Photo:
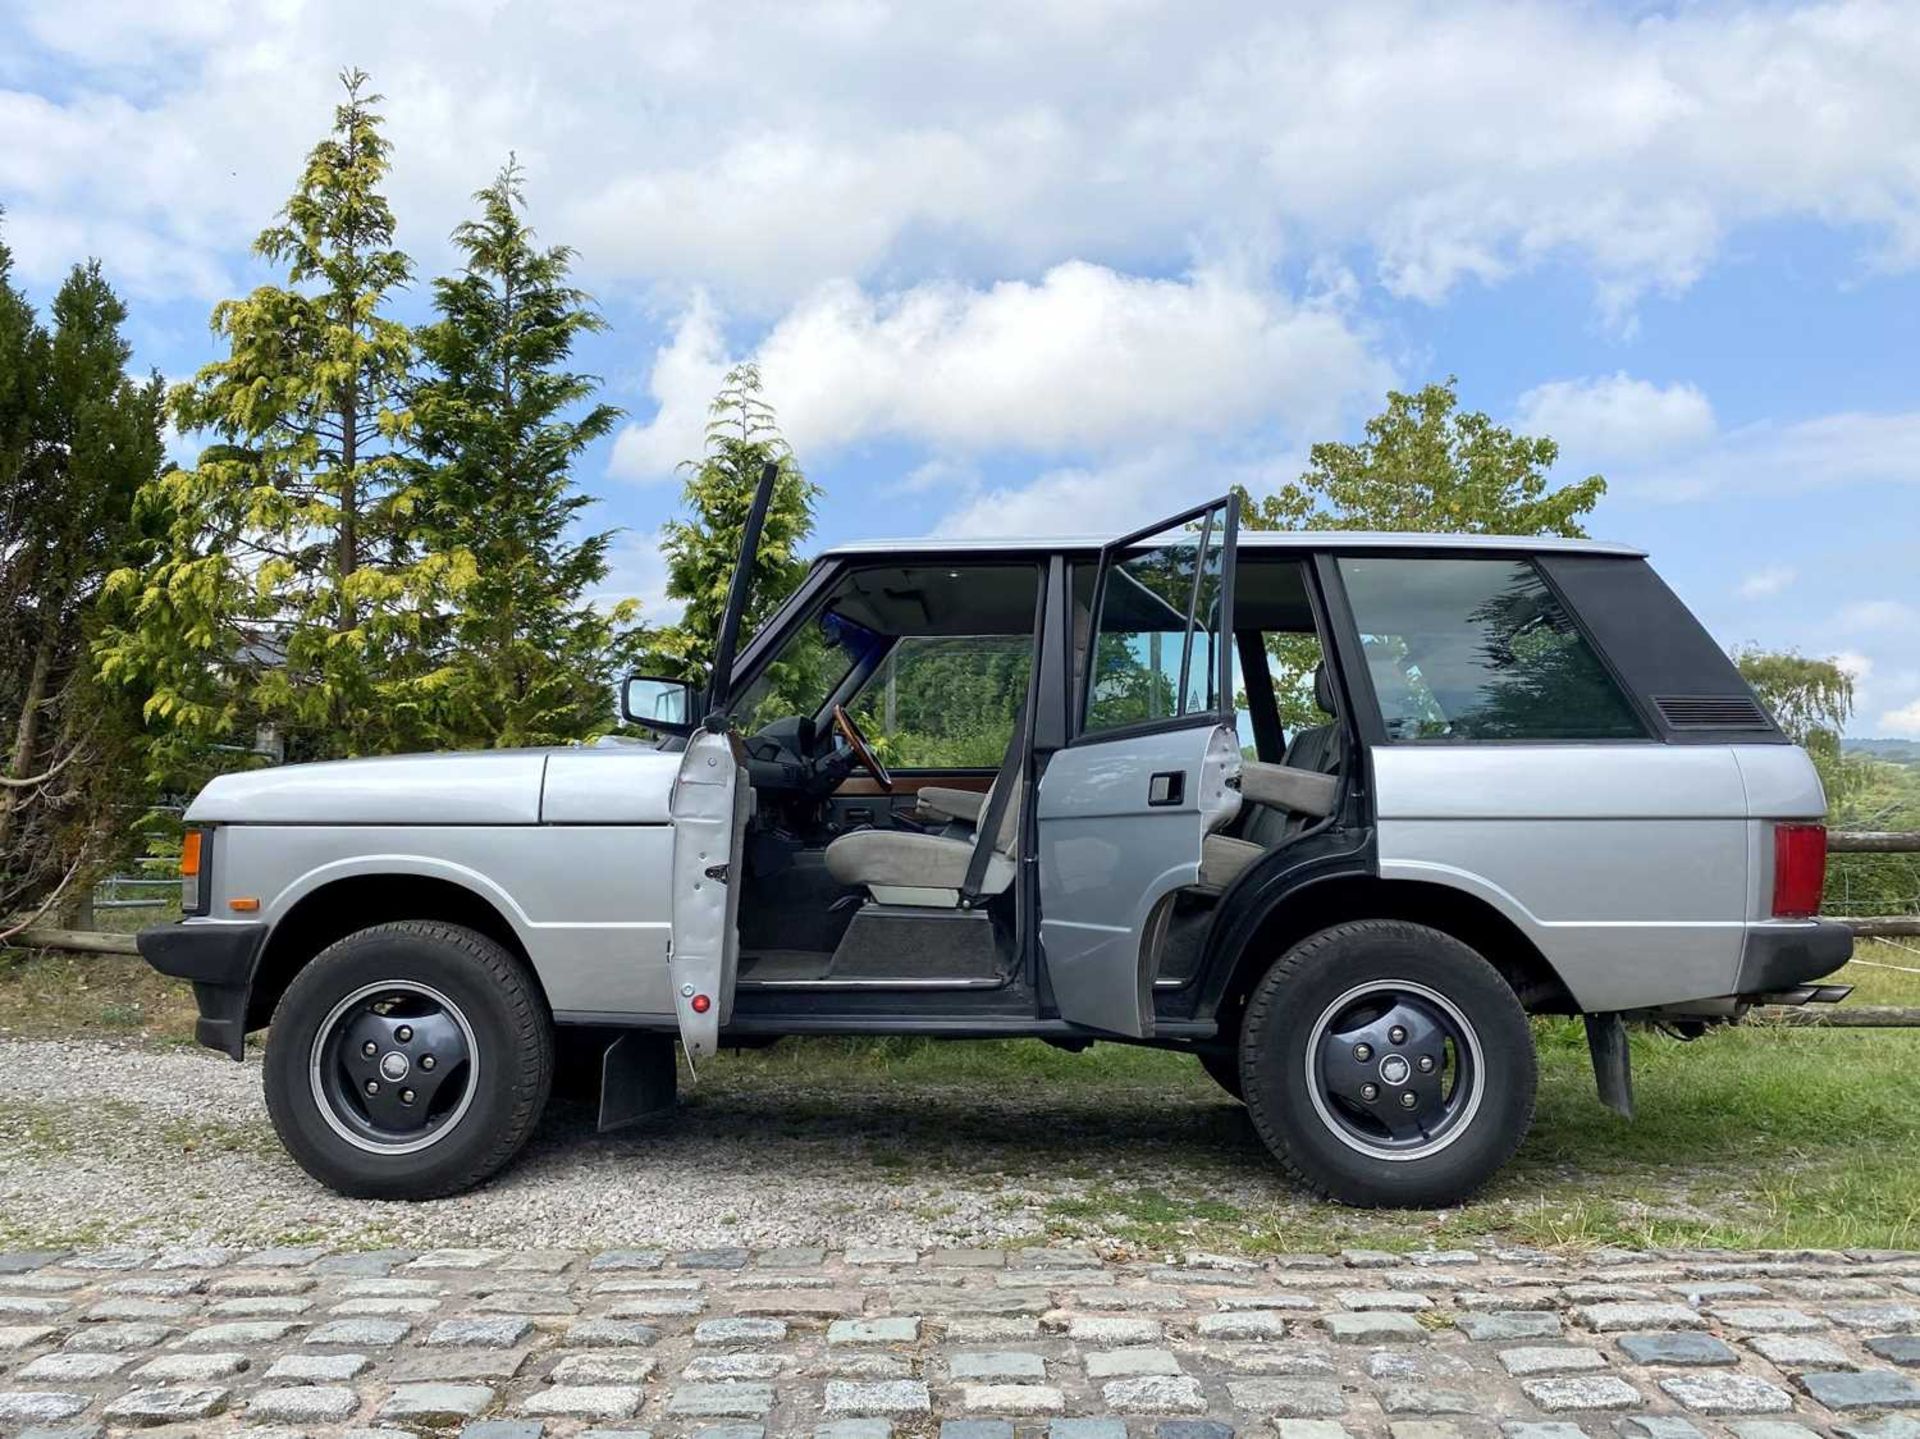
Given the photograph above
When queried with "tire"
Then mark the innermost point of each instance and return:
(1223, 1070)
(1342, 995)
(478, 1022)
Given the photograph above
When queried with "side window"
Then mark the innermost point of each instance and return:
(1156, 648)
(946, 702)
(1478, 649)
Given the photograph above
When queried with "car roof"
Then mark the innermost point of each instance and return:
(1249, 540)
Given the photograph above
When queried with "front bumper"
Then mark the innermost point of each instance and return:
(1783, 958)
(219, 958)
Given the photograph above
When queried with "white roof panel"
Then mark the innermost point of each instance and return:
(1252, 540)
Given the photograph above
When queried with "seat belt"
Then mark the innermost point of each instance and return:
(1006, 785)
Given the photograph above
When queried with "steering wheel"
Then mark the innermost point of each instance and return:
(862, 751)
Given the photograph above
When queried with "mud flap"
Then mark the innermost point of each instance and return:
(711, 799)
(637, 1078)
(1612, 1062)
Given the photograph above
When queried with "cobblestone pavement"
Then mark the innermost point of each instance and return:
(965, 1344)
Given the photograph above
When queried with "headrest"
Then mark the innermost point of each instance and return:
(1323, 689)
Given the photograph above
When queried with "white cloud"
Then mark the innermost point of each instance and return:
(1084, 359)
(1901, 723)
(768, 147)
(1854, 664)
(637, 570)
(1768, 458)
(1616, 416)
(1764, 583)
(1878, 615)
(1113, 497)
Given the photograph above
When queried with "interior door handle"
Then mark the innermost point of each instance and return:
(1169, 787)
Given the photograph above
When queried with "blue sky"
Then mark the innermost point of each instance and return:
(1062, 265)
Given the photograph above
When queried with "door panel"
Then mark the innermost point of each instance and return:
(1108, 856)
(1122, 810)
(711, 802)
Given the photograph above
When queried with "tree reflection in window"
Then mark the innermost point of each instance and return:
(1479, 649)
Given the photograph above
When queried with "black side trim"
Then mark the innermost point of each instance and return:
(219, 959)
(1777, 959)
(204, 953)
(1274, 880)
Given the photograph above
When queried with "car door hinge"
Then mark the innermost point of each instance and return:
(717, 871)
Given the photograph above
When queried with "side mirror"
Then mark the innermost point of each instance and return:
(659, 704)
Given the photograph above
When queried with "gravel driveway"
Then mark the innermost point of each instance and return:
(101, 1143)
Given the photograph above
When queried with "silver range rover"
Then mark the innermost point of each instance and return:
(1334, 812)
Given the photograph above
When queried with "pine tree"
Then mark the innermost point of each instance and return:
(529, 660)
(85, 439)
(702, 550)
(291, 588)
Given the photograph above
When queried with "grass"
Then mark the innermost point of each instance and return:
(1756, 1136)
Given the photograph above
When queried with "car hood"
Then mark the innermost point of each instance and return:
(615, 784)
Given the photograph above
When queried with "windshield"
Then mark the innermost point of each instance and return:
(809, 668)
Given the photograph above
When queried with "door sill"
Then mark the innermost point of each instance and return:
(870, 983)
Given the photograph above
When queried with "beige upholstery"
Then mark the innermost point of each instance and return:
(1302, 791)
(902, 867)
(1222, 857)
(901, 859)
(944, 803)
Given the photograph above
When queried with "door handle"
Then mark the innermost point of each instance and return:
(1169, 787)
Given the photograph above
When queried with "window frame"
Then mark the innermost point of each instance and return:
(1116, 552)
(1370, 719)
(803, 607)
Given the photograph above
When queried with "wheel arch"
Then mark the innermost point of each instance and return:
(340, 906)
(1250, 940)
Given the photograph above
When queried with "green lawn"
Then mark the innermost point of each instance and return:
(1762, 1135)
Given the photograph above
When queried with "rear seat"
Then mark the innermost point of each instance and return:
(1278, 800)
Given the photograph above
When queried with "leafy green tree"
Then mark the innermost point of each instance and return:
(78, 439)
(528, 659)
(1423, 464)
(702, 549)
(290, 588)
(1426, 464)
(1811, 700)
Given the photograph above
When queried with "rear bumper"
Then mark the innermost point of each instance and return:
(219, 958)
(1784, 957)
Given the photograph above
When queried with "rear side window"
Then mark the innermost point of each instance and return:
(1479, 649)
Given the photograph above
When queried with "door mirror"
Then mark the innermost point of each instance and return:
(659, 704)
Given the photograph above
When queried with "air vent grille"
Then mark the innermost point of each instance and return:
(1713, 712)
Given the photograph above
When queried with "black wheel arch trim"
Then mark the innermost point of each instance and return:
(1277, 877)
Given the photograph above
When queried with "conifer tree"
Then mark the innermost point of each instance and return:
(78, 439)
(291, 589)
(702, 549)
(529, 660)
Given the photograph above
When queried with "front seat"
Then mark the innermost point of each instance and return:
(1318, 748)
(904, 867)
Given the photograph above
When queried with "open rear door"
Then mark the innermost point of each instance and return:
(712, 799)
(1123, 808)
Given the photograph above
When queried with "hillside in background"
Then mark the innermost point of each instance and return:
(1888, 751)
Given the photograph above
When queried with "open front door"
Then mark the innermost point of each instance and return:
(712, 799)
(711, 802)
(1123, 808)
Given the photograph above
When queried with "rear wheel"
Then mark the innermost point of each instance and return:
(1386, 1063)
(409, 1061)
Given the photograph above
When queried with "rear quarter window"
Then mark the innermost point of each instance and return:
(1479, 649)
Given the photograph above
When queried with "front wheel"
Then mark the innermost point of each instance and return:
(1388, 1064)
(408, 1061)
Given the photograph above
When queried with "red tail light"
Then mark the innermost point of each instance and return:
(1799, 869)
